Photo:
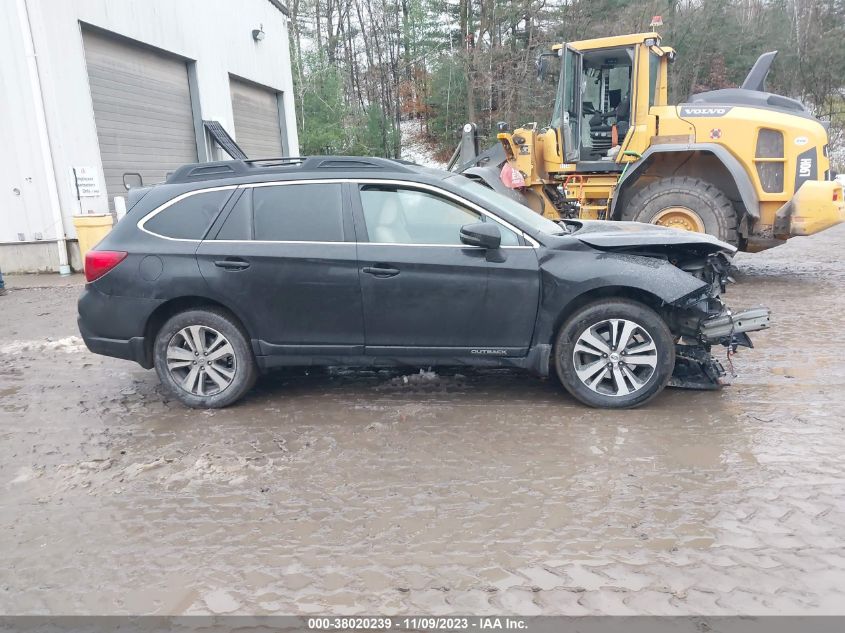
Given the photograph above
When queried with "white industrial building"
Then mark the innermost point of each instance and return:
(98, 93)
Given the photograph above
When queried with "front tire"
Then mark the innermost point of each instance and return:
(685, 203)
(614, 354)
(203, 358)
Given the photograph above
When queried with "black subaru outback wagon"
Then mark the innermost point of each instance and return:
(231, 268)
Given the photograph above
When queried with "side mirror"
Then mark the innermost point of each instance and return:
(483, 234)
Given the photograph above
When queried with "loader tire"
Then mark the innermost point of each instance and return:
(685, 203)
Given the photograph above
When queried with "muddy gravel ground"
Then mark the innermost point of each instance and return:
(460, 492)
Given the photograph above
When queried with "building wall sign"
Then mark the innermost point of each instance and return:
(87, 182)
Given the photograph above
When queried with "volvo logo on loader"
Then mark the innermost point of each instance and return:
(690, 111)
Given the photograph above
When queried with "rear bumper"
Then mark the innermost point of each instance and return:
(816, 206)
(114, 325)
(134, 348)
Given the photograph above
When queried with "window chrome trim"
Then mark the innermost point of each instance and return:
(143, 221)
(276, 242)
(434, 245)
(344, 242)
(364, 180)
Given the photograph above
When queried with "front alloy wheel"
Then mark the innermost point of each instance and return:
(614, 353)
(615, 357)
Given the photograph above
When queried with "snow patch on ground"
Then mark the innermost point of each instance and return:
(69, 345)
(414, 146)
(425, 376)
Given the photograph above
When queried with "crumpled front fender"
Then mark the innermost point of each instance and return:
(567, 280)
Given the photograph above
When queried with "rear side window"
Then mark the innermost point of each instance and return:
(189, 218)
(298, 213)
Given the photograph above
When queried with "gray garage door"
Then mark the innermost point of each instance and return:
(142, 108)
(256, 111)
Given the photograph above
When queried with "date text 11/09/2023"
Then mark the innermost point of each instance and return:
(421, 623)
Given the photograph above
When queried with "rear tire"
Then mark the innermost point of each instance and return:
(614, 354)
(705, 207)
(203, 358)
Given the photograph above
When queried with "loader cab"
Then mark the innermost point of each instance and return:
(604, 86)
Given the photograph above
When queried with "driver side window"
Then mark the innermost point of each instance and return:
(399, 215)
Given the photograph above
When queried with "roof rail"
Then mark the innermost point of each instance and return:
(206, 171)
(352, 162)
(231, 168)
(281, 160)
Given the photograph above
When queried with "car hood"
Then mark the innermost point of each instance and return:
(634, 235)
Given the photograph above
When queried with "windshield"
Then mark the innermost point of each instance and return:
(567, 71)
(554, 76)
(495, 201)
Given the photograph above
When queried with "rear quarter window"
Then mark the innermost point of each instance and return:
(190, 217)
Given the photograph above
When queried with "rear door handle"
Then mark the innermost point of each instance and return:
(232, 264)
(379, 271)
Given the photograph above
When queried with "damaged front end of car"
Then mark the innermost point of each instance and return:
(701, 321)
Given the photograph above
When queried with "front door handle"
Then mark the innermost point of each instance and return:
(232, 264)
(380, 271)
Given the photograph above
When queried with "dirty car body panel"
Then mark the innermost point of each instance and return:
(355, 299)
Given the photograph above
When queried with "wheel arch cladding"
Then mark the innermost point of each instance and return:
(708, 161)
(644, 297)
(182, 304)
(569, 283)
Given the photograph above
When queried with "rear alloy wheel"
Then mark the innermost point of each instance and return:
(685, 203)
(614, 354)
(204, 359)
(201, 360)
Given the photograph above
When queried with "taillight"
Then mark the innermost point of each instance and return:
(98, 263)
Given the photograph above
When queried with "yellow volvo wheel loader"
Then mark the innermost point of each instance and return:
(745, 165)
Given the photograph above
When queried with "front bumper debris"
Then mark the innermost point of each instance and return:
(695, 367)
(723, 328)
(816, 206)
